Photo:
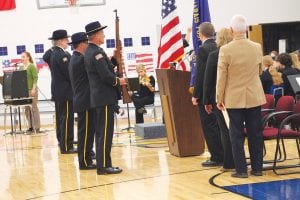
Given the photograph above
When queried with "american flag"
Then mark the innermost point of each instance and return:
(135, 59)
(9, 65)
(171, 46)
(40, 63)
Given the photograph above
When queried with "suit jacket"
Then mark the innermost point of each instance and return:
(61, 84)
(210, 78)
(103, 81)
(207, 47)
(80, 83)
(238, 82)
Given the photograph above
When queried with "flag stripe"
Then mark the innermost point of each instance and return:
(174, 40)
(169, 53)
(176, 56)
(7, 5)
(145, 60)
(171, 46)
(141, 58)
(173, 23)
(143, 55)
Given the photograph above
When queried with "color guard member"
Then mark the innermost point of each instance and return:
(81, 101)
(62, 90)
(102, 81)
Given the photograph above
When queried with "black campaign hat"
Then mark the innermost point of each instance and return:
(78, 37)
(93, 27)
(59, 34)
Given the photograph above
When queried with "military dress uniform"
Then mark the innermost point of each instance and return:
(81, 105)
(63, 97)
(102, 81)
(47, 59)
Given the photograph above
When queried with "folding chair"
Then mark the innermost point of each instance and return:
(272, 121)
(288, 134)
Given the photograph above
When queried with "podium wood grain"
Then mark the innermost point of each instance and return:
(184, 130)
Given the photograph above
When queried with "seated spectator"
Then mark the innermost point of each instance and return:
(273, 54)
(266, 78)
(295, 61)
(145, 95)
(270, 77)
(284, 63)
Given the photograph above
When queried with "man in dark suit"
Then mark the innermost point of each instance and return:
(103, 82)
(62, 90)
(209, 121)
(81, 101)
(209, 97)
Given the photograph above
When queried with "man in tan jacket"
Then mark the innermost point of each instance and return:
(239, 90)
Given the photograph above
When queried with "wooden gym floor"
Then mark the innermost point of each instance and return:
(33, 168)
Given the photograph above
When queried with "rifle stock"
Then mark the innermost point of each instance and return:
(120, 67)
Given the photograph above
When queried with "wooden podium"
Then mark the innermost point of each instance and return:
(182, 120)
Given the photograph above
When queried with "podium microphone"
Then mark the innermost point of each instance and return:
(190, 52)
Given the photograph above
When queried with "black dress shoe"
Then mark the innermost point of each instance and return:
(109, 170)
(211, 163)
(70, 151)
(91, 166)
(256, 173)
(29, 130)
(239, 175)
(93, 155)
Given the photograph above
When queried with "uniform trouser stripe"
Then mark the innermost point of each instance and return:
(105, 131)
(85, 136)
(66, 131)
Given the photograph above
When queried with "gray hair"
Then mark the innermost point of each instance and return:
(238, 23)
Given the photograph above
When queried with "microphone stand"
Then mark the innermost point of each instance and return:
(184, 58)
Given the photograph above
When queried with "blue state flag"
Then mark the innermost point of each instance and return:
(200, 14)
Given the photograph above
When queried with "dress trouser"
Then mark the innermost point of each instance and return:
(212, 134)
(140, 102)
(228, 162)
(57, 122)
(65, 124)
(104, 125)
(253, 124)
(33, 116)
(86, 134)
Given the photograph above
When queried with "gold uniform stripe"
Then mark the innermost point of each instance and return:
(85, 137)
(116, 81)
(105, 130)
(66, 133)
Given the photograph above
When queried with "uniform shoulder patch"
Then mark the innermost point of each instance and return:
(65, 59)
(98, 56)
